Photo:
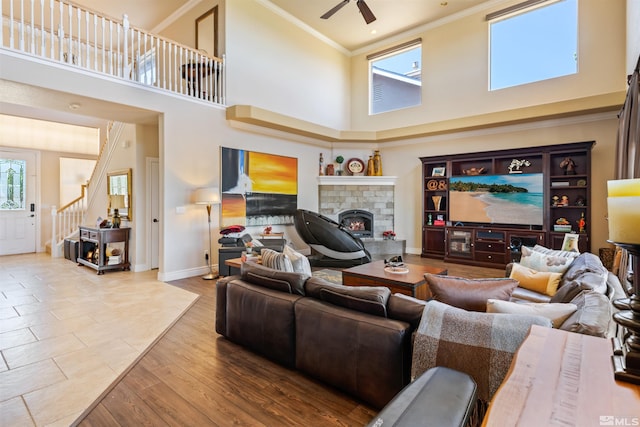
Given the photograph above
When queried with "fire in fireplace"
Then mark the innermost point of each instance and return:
(359, 222)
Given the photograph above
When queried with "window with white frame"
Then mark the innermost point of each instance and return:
(533, 41)
(395, 77)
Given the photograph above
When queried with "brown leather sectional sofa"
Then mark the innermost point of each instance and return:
(357, 339)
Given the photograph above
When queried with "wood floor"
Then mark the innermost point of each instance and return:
(194, 377)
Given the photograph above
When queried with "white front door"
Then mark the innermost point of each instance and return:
(18, 210)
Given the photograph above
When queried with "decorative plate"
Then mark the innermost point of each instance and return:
(355, 166)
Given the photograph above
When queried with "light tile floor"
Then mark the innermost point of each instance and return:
(67, 334)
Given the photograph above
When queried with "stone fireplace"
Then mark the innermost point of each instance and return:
(373, 195)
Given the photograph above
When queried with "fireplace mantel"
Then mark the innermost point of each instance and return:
(356, 180)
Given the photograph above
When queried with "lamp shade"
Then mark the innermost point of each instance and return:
(624, 210)
(116, 201)
(206, 196)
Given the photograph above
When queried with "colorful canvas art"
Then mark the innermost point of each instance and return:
(258, 188)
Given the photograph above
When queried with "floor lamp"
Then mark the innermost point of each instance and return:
(208, 196)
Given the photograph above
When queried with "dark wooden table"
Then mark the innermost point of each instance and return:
(374, 274)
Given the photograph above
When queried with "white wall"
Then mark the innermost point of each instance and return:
(455, 70)
(633, 34)
(273, 64)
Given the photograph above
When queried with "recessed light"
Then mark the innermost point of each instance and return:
(74, 106)
(374, 31)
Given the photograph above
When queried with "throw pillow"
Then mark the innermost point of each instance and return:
(379, 294)
(555, 252)
(258, 274)
(545, 262)
(585, 273)
(544, 282)
(358, 304)
(300, 262)
(276, 260)
(557, 313)
(469, 294)
(593, 316)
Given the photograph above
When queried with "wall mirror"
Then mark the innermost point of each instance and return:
(207, 32)
(119, 182)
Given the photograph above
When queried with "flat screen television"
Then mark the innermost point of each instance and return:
(497, 199)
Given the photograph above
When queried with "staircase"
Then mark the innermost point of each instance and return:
(65, 221)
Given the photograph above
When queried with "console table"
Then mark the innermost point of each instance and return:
(563, 378)
(100, 237)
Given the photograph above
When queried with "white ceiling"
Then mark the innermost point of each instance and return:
(346, 27)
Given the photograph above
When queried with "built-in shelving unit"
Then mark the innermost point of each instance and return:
(564, 173)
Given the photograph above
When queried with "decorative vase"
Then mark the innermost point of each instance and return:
(370, 166)
(436, 202)
(377, 163)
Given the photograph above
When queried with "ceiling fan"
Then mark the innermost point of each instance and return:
(368, 16)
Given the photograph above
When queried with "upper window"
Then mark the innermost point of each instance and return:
(536, 44)
(396, 78)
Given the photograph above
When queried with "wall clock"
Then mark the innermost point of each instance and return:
(355, 166)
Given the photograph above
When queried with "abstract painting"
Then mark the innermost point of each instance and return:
(258, 188)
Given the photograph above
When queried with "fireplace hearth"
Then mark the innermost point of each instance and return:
(358, 221)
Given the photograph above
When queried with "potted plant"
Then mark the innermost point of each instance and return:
(339, 161)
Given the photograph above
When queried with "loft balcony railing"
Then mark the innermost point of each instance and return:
(66, 33)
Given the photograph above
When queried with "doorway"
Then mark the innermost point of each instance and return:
(153, 206)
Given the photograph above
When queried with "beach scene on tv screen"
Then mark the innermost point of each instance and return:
(497, 199)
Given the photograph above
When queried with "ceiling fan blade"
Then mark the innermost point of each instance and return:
(336, 8)
(368, 16)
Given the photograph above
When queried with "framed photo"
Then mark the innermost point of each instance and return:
(570, 242)
(439, 171)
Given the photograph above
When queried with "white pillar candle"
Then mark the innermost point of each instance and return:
(624, 210)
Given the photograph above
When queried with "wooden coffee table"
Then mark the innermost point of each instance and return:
(373, 274)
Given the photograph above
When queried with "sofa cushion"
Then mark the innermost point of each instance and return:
(368, 356)
(557, 313)
(405, 308)
(593, 316)
(586, 272)
(262, 319)
(358, 304)
(283, 281)
(469, 294)
(377, 294)
(550, 261)
(276, 260)
(299, 262)
(544, 282)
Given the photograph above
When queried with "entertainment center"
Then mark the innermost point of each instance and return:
(479, 208)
